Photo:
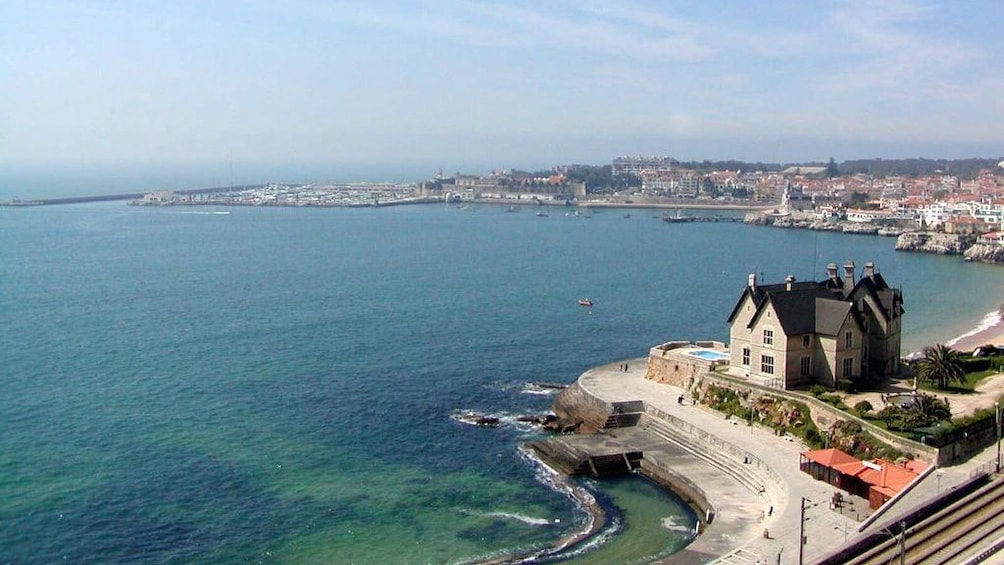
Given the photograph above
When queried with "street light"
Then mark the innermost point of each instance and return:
(801, 528)
(997, 413)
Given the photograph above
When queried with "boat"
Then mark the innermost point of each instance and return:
(585, 302)
(541, 214)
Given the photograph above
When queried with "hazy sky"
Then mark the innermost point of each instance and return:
(512, 84)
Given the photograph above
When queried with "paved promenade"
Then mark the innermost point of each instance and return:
(825, 529)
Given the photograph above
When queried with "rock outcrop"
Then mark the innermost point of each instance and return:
(928, 242)
(985, 253)
(809, 222)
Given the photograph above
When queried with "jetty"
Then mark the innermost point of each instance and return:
(685, 219)
(118, 196)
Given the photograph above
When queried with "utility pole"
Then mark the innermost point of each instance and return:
(801, 533)
(997, 412)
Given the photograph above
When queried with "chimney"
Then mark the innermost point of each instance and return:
(831, 272)
(869, 270)
(788, 281)
(752, 281)
(849, 275)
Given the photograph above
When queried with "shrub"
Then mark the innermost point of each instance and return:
(816, 390)
(863, 407)
(813, 438)
(846, 385)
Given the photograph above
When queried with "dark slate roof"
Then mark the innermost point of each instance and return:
(796, 309)
(820, 307)
(830, 315)
(891, 299)
(761, 292)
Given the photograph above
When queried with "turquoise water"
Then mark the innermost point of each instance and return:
(278, 384)
(708, 355)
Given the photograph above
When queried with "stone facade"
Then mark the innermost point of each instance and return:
(671, 363)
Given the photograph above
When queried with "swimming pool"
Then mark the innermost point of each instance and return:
(709, 354)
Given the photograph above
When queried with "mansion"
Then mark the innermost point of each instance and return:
(794, 334)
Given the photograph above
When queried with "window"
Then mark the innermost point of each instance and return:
(849, 367)
(805, 366)
(746, 356)
(849, 339)
(768, 336)
(805, 342)
(767, 364)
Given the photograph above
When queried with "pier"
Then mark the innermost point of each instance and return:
(118, 196)
(678, 219)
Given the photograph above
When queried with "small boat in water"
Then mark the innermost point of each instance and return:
(541, 214)
(585, 302)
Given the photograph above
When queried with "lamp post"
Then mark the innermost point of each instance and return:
(997, 419)
(801, 534)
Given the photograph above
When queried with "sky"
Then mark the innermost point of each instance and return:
(467, 84)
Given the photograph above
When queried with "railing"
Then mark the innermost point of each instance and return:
(987, 468)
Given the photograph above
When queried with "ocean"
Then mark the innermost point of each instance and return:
(282, 384)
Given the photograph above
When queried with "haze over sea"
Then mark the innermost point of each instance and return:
(277, 384)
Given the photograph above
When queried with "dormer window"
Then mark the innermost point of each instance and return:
(768, 336)
(849, 339)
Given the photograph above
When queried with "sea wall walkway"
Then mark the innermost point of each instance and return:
(729, 443)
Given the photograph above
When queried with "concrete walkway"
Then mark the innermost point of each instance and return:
(825, 529)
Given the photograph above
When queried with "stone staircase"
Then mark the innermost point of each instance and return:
(743, 472)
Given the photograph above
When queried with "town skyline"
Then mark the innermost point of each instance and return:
(468, 85)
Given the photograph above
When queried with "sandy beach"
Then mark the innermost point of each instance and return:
(990, 331)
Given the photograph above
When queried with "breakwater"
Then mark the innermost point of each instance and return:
(114, 197)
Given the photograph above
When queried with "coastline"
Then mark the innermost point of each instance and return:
(596, 518)
(989, 331)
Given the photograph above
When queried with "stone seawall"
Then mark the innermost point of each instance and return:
(681, 486)
(575, 405)
(668, 363)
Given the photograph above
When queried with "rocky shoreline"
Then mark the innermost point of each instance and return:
(907, 238)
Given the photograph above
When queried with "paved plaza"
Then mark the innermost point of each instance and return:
(779, 513)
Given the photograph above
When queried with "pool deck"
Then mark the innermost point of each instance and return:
(739, 538)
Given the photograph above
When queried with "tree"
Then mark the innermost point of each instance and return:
(831, 169)
(932, 409)
(941, 366)
(890, 415)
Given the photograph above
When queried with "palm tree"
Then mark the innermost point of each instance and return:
(941, 365)
(932, 408)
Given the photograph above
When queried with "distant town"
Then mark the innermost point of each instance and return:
(936, 206)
